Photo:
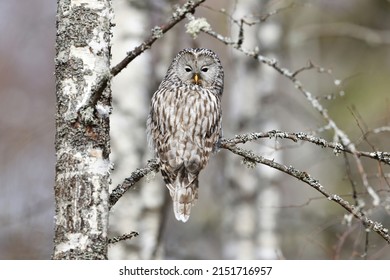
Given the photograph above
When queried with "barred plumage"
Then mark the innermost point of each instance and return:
(185, 123)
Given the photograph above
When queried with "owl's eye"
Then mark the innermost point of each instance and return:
(204, 69)
(188, 69)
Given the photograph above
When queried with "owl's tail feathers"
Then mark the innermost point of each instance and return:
(184, 197)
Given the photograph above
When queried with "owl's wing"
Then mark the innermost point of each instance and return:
(160, 130)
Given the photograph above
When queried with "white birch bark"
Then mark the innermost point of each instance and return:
(251, 213)
(141, 208)
(82, 129)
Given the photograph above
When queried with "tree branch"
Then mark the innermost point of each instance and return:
(249, 156)
(296, 136)
(125, 236)
(305, 177)
(129, 182)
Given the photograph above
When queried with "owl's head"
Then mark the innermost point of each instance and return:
(199, 67)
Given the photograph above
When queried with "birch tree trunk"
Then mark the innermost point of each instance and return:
(82, 129)
(251, 203)
(141, 208)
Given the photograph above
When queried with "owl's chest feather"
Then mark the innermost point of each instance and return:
(188, 112)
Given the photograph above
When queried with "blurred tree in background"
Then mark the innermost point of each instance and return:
(337, 50)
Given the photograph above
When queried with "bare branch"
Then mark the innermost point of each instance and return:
(125, 236)
(129, 182)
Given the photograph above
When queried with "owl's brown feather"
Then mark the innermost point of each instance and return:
(184, 126)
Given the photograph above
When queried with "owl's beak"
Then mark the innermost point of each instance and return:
(196, 78)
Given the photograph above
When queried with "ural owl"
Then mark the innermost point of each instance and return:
(184, 124)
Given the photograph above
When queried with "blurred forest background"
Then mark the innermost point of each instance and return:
(242, 213)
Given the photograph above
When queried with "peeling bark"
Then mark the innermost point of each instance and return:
(82, 132)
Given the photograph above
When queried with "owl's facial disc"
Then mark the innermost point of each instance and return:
(197, 70)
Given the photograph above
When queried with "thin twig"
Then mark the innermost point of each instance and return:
(125, 236)
(351, 180)
(309, 66)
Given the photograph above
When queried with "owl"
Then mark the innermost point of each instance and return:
(184, 125)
